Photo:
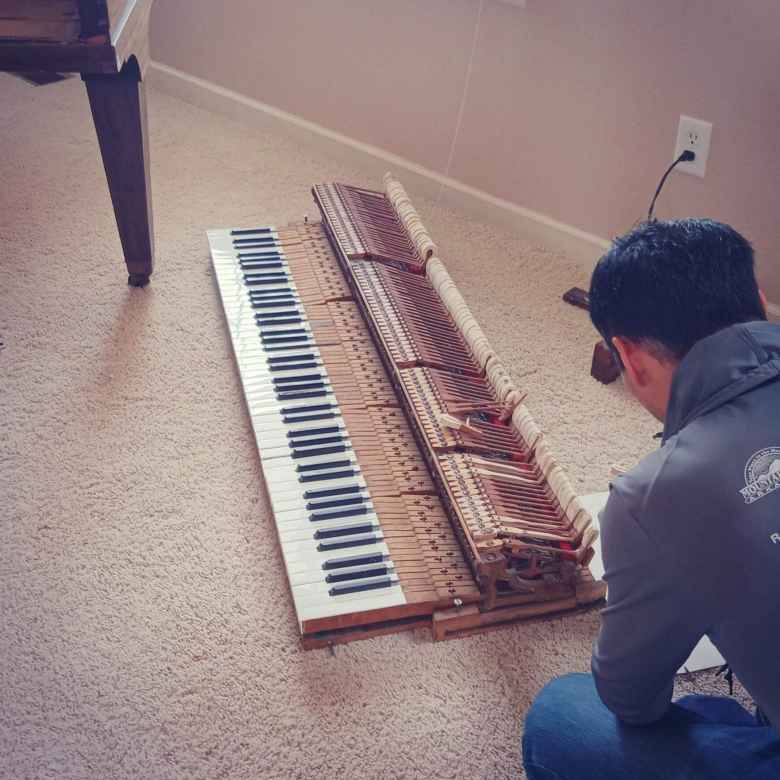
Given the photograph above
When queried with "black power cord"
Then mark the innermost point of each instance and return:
(686, 156)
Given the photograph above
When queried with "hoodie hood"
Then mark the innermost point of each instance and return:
(720, 368)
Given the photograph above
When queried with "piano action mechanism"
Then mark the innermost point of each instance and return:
(409, 483)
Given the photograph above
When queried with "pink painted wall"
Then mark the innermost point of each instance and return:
(573, 106)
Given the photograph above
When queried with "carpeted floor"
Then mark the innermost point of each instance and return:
(146, 627)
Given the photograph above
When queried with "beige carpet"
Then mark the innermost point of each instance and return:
(146, 627)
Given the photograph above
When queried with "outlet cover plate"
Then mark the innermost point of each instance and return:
(693, 134)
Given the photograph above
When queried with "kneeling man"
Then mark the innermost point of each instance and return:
(691, 535)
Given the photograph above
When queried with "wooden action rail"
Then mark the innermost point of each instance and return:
(367, 226)
(411, 320)
(520, 524)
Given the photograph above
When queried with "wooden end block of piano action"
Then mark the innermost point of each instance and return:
(604, 368)
(577, 297)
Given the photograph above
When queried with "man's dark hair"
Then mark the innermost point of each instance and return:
(670, 284)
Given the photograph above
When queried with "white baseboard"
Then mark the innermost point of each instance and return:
(538, 228)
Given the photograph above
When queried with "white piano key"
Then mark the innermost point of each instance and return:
(314, 602)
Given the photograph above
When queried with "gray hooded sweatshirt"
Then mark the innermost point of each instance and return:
(691, 535)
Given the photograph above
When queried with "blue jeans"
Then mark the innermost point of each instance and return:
(569, 733)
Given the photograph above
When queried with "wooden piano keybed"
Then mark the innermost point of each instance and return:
(409, 484)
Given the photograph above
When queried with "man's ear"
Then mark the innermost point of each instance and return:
(633, 361)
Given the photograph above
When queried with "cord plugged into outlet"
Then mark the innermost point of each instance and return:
(686, 156)
(693, 135)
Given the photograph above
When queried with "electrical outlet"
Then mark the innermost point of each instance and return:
(693, 134)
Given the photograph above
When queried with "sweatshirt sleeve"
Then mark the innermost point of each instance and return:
(649, 625)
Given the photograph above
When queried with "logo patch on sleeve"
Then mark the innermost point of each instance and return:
(762, 474)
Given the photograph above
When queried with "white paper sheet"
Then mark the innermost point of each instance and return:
(705, 655)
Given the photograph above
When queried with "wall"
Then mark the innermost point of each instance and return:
(572, 109)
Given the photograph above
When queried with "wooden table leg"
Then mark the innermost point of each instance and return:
(119, 111)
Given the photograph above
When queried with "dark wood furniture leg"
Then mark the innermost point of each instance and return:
(118, 106)
(604, 368)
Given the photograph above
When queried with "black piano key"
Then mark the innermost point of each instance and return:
(344, 543)
(273, 294)
(331, 464)
(268, 340)
(334, 502)
(272, 316)
(288, 347)
(360, 574)
(250, 231)
(284, 290)
(306, 409)
(289, 303)
(281, 276)
(260, 280)
(290, 359)
(318, 517)
(291, 390)
(270, 253)
(310, 394)
(285, 336)
(294, 366)
(263, 304)
(274, 246)
(259, 265)
(285, 380)
(280, 321)
(342, 491)
(304, 432)
(315, 452)
(317, 442)
(254, 241)
(256, 244)
(262, 260)
(341, 590)
(345, 530)
(257, 281)
(325, 477)
(309, 418)
(353, 560)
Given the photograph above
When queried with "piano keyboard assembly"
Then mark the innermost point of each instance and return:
(409, 483)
